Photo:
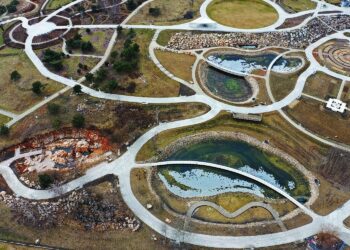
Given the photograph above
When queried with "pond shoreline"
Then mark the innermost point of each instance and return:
(215, 135)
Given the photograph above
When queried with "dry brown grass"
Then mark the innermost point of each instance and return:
(330, 197)
(322, 85)
(314, 117)
(244, 14)
(179, 65)
(17, 96)
(282, 84)
(172, 12)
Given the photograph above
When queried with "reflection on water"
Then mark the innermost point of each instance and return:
(189, 181)
(247, 63)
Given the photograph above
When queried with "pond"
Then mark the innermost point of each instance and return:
(247, 63)
(190, 181)
(229, 87)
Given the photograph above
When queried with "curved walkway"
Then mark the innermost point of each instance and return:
(192, 210)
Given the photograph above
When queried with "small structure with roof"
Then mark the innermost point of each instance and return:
(336, 105)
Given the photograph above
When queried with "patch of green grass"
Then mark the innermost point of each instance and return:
(1, 38)
(99, 38)
(165, 36)
(4, 119)
(245, 14)
(233, 85)
(55, 4)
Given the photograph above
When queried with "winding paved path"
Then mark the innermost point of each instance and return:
(192, 210)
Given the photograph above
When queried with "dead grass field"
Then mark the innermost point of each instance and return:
(312, 115)
(345, 95)
(244, 14)
(171, 12)
(330, 197)
(99, 114)
(17, 96)
(322, 85)
(178, 64)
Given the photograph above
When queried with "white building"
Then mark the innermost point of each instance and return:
(336, 105)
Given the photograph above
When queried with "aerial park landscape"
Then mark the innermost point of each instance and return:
(189, 124)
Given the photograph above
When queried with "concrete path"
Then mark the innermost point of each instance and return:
(193, 208)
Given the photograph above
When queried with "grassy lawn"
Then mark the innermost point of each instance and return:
(330, 197)
(71, 66)
(149, 80)
(245, 14)
(1, 38)
(4, 119)
(311, 115)
(55, 4)
(298, 5)
(17, 96)
(99, 39)
(322, 85)
(178, 64)
(154, 82)
(282, 84)
(164, 36)
(171, 12)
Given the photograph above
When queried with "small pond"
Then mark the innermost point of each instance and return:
(190, 181)
(229, 87)
(246, 63)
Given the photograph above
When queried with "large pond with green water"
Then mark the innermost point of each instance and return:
(247, 63)
(194, 181)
